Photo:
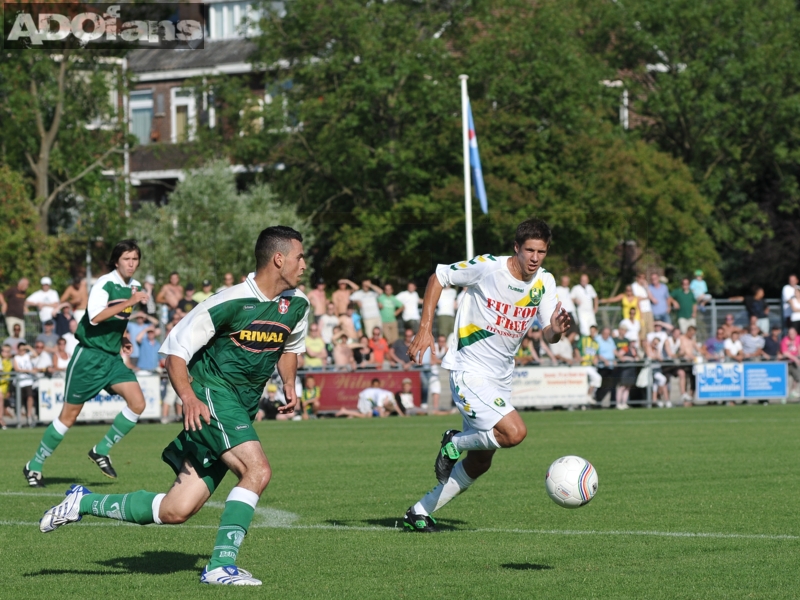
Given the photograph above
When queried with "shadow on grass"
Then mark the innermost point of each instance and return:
(148, 563)
(395, 522)
(526, 567)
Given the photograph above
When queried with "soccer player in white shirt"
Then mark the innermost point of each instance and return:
(504, 295)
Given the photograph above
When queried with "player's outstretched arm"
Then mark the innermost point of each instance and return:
(287, 369)
(424, 338)
(193, 409)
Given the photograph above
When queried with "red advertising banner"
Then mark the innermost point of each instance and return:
(341, 389)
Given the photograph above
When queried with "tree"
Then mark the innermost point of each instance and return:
(47, 104)
(24, 250)
(377, 160)
(723, 96)
(208, 228)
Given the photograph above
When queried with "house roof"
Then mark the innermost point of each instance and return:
(213, 55)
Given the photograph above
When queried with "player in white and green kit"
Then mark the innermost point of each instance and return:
(505, 295)
(96, 364)
(219, 359)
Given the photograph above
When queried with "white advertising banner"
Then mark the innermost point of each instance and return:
(104, 406)
(549, 386)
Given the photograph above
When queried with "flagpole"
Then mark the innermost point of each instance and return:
(467, 174)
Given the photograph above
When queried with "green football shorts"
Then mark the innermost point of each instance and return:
(90, 371)
(231, 425)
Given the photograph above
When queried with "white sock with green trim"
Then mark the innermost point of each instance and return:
(472, 439)
(444, 492)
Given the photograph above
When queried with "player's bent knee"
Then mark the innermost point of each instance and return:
(257, 478)
(175, 515)
(137, 405)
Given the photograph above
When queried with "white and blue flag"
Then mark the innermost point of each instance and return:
(475, 163)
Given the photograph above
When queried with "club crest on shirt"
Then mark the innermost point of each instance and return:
(534, 297)
(283, 306)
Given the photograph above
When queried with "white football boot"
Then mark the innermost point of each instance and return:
(228, 575)
(65, 512)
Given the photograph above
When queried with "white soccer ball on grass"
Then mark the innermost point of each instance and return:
(571, 481)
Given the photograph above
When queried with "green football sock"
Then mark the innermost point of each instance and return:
(122, 425)
(136, 507)
(239, 509)
(50, 440)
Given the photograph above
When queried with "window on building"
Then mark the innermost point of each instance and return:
(226, 20)
(184, 115)
(141, 108)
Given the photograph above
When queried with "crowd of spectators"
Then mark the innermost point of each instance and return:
(370, 327)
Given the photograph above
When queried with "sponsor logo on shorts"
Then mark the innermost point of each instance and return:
(241, 427)
(262, 336)
(499, 402)
(469, 412)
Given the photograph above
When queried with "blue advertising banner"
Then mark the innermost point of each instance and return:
(740, 381)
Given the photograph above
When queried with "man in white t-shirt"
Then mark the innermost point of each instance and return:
(632, 327)
(411, 301)
(787, 293)
(659, 334)
(446, 311)
(367, 300)
(44, 300)
(565, 297)
(587, 303)
(373, 401)
(733, 347)
(504, 296)
(642, 292)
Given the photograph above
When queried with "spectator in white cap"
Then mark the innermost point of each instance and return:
(45, 300)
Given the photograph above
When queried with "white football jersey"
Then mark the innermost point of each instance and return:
(497, 311)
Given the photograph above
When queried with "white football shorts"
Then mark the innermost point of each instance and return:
(482, 401)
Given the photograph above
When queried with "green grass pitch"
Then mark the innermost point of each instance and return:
(692, 503)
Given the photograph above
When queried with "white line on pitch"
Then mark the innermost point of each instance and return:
(566, 532)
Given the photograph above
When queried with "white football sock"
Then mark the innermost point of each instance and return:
(444, 492)
(472, 439)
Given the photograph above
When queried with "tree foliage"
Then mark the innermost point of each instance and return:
(377, 160)
(209, 228)
(24, 250)
(725, 100)
(57, 124)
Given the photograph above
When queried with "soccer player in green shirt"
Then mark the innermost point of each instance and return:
(96, 363)
(219, 358)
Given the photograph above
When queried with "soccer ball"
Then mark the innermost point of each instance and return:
(571, 481)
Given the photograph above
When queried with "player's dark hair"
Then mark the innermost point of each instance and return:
(376, 380)
(273, 240)
(533, 229)
(120, 249)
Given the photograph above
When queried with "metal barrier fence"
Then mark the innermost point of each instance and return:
(708, 320)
